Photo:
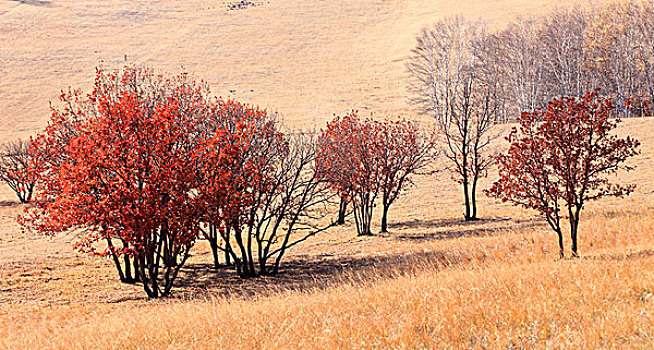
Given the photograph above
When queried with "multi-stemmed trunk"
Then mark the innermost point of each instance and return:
(216, 240)
(124, 269)
(158, 262)
(363, 214)
(574, 229)
(470, 197)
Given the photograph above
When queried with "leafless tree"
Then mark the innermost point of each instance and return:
(437, 63)
(17, 168)
(561, 39)
(521, 57)
(454, 75)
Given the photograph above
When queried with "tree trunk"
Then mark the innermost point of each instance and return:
(128, 269)
(228, 258)
(214, 253)
(561, 250)
(342, 209)
(384, 221)
(574, 224)
(137, 276)
(116, 260)
(473, 199)
(263, 269)
(466, 199)
(212, 237)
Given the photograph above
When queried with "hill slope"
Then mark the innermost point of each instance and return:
(433, 281)
(306, 59)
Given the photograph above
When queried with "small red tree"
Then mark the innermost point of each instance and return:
(560, 159)
(17, 168)
(403, 152)
(363, 159)
(348, 159)
(117, 166)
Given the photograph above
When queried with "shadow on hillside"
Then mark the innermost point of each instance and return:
(460, 228)
(305, 274)
(9, 204)
(40, 3)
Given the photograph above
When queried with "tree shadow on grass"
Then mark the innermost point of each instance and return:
(316, 272)
(10, 204)
(457, 228)
(201, 281)
(304, 274)
(39, 3)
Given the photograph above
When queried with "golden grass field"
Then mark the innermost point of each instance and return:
(434, 281)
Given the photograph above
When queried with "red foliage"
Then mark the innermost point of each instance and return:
(560, 159)
(117, 166)
(403, 151)
(239, 179)
(362, 159)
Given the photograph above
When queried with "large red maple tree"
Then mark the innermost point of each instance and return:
(116, 167)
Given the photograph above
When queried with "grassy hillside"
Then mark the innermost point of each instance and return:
(433, 281)
(306, 59)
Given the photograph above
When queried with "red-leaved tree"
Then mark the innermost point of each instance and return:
(116, 166)
(348, 162)
(560, 159)
(403, 151)
(365, 159)
(261, 194)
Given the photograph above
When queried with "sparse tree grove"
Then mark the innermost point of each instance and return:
(145, 165)
(363, 159)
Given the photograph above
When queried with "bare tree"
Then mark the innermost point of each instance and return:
(561, 39)
(520, 56)
(454, 75)
(467, 136)
(612, 49)
(17, 168)
(436, 65)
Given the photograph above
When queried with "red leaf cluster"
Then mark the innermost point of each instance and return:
(364, 158)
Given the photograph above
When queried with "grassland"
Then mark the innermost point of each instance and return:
(434, 281)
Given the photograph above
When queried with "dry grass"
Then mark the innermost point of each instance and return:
(493, 292)
(433, 282)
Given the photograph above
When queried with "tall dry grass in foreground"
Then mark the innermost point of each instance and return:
(501, 291)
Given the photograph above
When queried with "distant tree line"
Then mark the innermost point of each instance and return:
(534, 60)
